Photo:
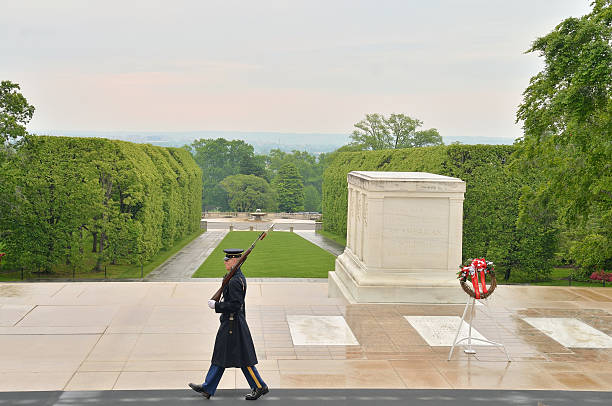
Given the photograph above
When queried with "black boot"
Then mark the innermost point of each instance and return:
(256, 393)
(199, 389)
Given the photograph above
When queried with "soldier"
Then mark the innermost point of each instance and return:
(233, 346)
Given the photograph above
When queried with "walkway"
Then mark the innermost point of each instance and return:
(185, 262)
(323, 242)
(99, 336)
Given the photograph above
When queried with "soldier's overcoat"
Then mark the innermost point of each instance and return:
(233, 345)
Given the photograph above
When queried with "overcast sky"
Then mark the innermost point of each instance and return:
(286, 66)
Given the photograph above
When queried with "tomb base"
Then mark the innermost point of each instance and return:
(350, 282)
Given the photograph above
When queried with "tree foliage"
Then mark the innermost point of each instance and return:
(61, 194)
(248, 193)
(290, 189)
(309, 165)
(15, 112)
(312, 199)
(567, 120)
(377, 132)
(218, 159)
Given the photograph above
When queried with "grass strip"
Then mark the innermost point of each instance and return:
(279, 255)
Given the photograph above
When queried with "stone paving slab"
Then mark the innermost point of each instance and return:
(118, 335)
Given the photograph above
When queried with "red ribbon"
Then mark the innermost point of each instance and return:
(482, 280)
(479, 263)
(475, 284)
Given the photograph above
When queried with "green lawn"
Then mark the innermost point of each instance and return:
(340, 239)
(119, 271)
(279, 255)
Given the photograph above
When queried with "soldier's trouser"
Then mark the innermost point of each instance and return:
(216, 372)
(252, 376)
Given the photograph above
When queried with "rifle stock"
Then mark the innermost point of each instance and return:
(217, 296)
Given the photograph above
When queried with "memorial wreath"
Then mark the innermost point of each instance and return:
(476, 270)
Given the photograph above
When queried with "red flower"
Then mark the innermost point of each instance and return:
(601, 276)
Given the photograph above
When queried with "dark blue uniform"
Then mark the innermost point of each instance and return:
(233, 345)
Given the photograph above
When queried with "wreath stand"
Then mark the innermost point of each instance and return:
(471, 304)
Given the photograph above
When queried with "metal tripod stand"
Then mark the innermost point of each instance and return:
(471, 304)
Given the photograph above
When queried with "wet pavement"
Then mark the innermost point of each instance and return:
(102, 336)
(184, 263)
(323, 242)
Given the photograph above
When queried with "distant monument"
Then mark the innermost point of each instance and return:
(404, 235)
(257, 215)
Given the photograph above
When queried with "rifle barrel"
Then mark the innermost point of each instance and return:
(217, 296)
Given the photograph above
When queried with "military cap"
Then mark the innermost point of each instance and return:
(232, 253)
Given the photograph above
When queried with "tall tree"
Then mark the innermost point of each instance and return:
(290, 189)
(309, 165)
(396, 131)
(15, 112)
(312, 199)
(220, 158)
(372, 133)
(248, 193)
(404, 132)
(567, 121)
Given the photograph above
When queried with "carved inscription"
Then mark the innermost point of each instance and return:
(437, 187)
(415, 233)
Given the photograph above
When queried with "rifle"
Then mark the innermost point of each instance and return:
(217, 296)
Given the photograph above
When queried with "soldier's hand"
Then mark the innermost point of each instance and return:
(211, 304)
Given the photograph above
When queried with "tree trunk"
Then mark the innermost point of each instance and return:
(98, 267)
(95, 242)
(69, 247)
(102, 238)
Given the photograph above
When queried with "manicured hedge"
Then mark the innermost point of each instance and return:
(67, 196)
(491, 206)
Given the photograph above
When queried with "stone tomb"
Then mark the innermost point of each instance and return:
(404, 234)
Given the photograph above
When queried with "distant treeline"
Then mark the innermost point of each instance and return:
(236, 179)
(63, 198)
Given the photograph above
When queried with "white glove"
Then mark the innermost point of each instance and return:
(211, 304)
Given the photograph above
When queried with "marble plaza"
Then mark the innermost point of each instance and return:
(440, 331)
(572, 333)
(160, 335)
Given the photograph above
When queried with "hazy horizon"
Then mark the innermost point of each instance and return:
(262, 142)
(273, 66)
